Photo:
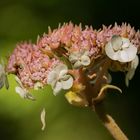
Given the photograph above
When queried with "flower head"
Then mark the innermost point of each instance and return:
(120, 49)
(59, 79)
(79, 59)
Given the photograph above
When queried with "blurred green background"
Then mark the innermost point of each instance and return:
(20, 119)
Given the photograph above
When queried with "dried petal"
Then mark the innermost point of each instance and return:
(42, 117)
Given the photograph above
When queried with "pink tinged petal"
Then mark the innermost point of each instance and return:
(131, 51)
(67, 84)
(123, 57)
(57, 88)
(125, 45)
(125, 41)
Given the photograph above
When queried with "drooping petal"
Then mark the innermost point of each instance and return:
(132, 70)
(135, 62)
(24, 93)
(21, 92)
(68, 83)
(129, 76)
(18, 81)
(57, 88)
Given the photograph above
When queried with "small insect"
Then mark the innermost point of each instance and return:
(22, 91)
(3, 77)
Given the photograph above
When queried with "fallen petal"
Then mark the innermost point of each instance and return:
(42, 117)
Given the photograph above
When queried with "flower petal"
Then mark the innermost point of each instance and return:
(116, 42)
(18, 81)
(60, 67)
(85, 60)
(131, 51)
(68, 83)
(52, 76)
(126, 42)
(57, 88)
(21, 92)
(110, 52)
(63, 72)
(77, 65)
(123, 56)
(129, 76)
(42, 117)
(135, 62)
(74, 57)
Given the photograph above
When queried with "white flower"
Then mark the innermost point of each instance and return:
(23, 92)
(79, 59)
(120, 49)
(131, 70)
(59, 79)
(3, 77)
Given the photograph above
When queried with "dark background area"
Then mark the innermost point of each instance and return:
(19, 119)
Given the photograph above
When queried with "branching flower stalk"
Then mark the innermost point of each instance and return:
(76, 61)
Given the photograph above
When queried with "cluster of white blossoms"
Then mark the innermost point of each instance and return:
(59, 79)
(122, 50)
(79, 59)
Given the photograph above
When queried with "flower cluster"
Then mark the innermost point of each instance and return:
(76, 60)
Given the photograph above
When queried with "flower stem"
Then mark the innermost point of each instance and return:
(109, 123)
